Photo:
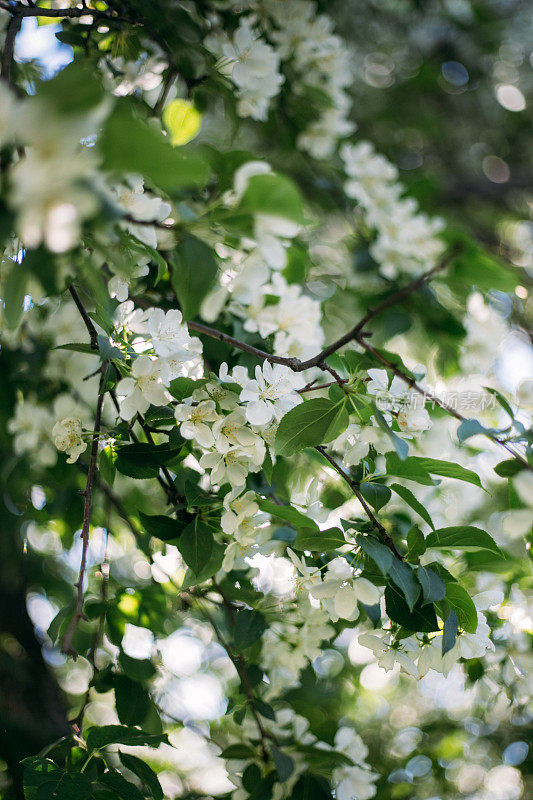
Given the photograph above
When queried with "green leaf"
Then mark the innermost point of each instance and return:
(376, 494)
(208, 570)
(311, 787)
(197, 497)
(377, 551)
(470, 427)
(433, 587)
(409, 469)
(180, 388)
(164, 528)
(194, 271)
(409, 498)
(142, 460)
(14, 291)
(239, 751)
(120, 786)
(288, 513)
(460, 601)
(105, 735)
(508, 468)
(504, 403)
(462, 537)
(272, 194)
(416, 544)
(421, 618)
(144, 772)
(248, 629)
(196, 544)
(139, 669)
(77, 347)
(283, 763)
(74, 90)
(403, 576)
(129, 145)
(449, 632)
(323, 760)
(319, 541)
(448, 470)
(106, 464)
(306, 425)
(132, 700)
(400, 445)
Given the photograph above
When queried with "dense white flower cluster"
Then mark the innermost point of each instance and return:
(320, 60)
(175, 353)
(406, 239)
(357, 782)
(253, 66)
(233, 444)
(416, 656)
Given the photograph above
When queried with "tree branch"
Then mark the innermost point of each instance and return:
(354, 486)
(89, 324)
(9, 46)
(434, 399)
(66, 646)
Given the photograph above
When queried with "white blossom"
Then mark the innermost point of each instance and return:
(272, 393)
(194, 419)
(67, 435)
(143, 389)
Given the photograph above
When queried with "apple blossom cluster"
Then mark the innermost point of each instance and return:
(406, 239)
(355, 781)
(293, 35)
(416, 655)
(234, 444)
(33, 426)
(321, 63)
(253, 66)
(175, 353)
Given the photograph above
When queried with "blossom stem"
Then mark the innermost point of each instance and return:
(354, 486)
(66, 646)
(436, 400)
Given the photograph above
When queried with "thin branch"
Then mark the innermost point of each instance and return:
(293, 363)
(93, 333)
(354, 486)
(356, 333)
(18, 10)
(66, 646)
(9, 46)
(312, 387)
(167, 85)
(240, 666)
(436, 400)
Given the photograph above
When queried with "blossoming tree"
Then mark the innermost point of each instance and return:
(259, 459)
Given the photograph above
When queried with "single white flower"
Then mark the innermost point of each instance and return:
(170, 337)
(272, 393)
(340, 591)
(230, 467)
(67, 435)
(143, 389)
(238, 508)
(194, 420)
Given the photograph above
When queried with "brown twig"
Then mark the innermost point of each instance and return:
(436, 400)
(9, 46)
(66, 646)
(354, 486)
(18, 10)
(93, 333)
